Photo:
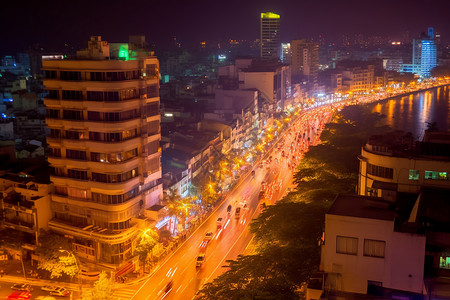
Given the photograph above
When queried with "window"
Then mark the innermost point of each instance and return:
(73, 114)
(152, 147)
(152, 109)
(53, 94)
(57, 171)
(77, 193)
(72, 95)
(374, 248)
(94, 96)
(433, 175)
(152, 91)
(55, 152)
(74, 135)
(76, 154)
(77, 174)
(50, 74)
(53, 113)
(380, 171)
(346, 245)
(55, 133)
(94, 116)
(152, 70)
(70, 75)
(413, 175)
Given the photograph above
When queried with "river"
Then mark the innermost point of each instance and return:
(413, 113)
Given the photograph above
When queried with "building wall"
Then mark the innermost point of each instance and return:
(121, 166)
(263, 81)
(402, 265)
(401, 167)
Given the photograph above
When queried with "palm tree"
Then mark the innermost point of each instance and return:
(177, 206)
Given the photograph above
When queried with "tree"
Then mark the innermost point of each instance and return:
(56, 256)
(61, 262)
(149, 239)
(177, 206)
(286, 234)
(103, 288)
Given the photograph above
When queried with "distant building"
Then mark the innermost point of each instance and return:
(270, 35)
(305, 61)
(104, 121)
(286, 53)
(424, 55)
(25, 200)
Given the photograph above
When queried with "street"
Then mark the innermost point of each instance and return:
(233, 236)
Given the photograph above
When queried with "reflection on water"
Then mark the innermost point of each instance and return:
(413, 113)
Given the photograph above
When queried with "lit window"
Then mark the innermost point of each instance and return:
(346, 245)
(413, 175)
(374, 248)
(433, 175)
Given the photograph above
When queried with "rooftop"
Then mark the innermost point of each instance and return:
(435, 145)
(362, 207)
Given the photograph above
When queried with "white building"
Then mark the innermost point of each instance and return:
(362, 249)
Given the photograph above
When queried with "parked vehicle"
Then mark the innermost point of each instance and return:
(61, 292)
(22, 287)
(50, 288)
(20, 296)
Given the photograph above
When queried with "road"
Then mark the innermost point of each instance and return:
(233, 237)
(36, 293)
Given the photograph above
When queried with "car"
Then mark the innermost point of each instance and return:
(49, 288)
(208, 235)
(61, 292)
(200, 260)
(219, 223)
(19, 295)
(22, 287)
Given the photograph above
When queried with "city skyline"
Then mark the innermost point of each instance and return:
(53, 24)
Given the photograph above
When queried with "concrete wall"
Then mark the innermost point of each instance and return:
(401, 268)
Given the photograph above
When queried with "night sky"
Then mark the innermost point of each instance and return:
(53, 23)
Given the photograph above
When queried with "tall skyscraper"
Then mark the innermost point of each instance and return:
(104, 122)
(285, 53)
(424, 55)
(305, 60)
(270, 33)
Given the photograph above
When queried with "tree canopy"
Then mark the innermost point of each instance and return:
(287, 234)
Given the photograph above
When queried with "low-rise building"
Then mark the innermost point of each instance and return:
(395, 163)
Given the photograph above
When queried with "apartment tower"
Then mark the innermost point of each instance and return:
(270, 35)
(104, 122)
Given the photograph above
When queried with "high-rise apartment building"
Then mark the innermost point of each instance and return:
(104, 122)
(270, 33)
(285, 53)
(424, 55)
(305, 60)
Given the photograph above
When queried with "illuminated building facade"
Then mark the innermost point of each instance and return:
(270, 33)
(424, 55)
(285, 54)
(104, 123)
